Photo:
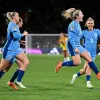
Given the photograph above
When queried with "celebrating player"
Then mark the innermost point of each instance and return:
(90, 37)
(74, 47)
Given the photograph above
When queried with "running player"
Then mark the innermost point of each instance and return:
(12, 49)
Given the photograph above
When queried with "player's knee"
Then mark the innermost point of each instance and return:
(26, 63)
(82, 71)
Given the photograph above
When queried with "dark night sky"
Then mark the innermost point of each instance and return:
(45, 15)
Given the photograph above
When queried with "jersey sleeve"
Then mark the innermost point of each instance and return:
(15, 31)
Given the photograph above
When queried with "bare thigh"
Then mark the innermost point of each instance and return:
(76, 59)
(86, 56)
(19, 63)
(4, 64)
(22, 57)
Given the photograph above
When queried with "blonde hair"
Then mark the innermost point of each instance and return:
(70, 13)
(89, 19)
(10, 15)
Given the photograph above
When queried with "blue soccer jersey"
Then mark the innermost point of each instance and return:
(12, 47)
(90, 40)
(74, 36)
(13, 37)
(74, 33)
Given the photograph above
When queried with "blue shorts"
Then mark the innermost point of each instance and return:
(71, 50)
(10, 55)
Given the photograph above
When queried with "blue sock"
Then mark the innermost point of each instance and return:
(14, 76)
(20, 75)
(68, 63)
(88, 77)
(93, 67)
(1, 73)
(78, 74)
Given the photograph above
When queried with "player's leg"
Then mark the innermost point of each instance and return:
(4, 66)
(23, 58)
(91, 64)
(88, 76)
(81, 72)
(15, 75)
(88, 72)
(74, 62)
(66, 55)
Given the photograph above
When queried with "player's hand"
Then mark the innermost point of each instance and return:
(76, 50)
(25, 33)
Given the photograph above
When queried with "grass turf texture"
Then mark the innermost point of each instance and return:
(44, 84)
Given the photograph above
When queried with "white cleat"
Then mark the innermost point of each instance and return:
(73, 79)
(20, 84)
(89, 86)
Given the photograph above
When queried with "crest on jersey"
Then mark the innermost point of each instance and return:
(72, 28)
(14, 28)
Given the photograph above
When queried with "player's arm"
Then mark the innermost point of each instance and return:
(16, 33)
(22, 42)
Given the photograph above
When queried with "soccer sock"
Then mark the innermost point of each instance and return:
(78, 74)
(93, 67)
(1, 73)
(88, 77)
(68, 63)
(20, 75)
(65, 59)
(68, 59)
(14, 76)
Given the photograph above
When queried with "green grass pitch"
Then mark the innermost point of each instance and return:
(44, 84)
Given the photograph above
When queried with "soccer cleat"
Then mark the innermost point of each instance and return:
(89, 86)
(20, 84)
(73, 79)
(59, 65)
(12, 85)
(98, 75)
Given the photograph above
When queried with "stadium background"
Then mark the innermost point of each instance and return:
(44, 16)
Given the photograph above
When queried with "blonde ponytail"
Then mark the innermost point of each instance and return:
(68, 13)
(8, 16)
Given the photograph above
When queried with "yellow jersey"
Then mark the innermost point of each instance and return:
(63, 42)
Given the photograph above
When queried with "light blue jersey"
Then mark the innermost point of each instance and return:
(90, 40)
(74, 36)
(13, 37)
(12, 47)
(74, 33)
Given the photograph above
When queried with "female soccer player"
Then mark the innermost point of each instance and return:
(12, 49)
(90, 37)
(63, 42)
(74, 47)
